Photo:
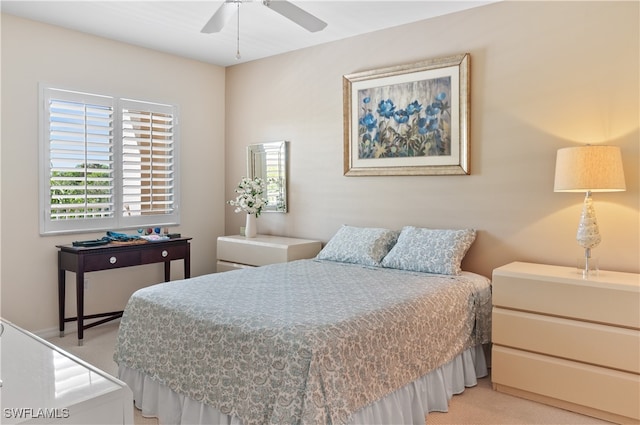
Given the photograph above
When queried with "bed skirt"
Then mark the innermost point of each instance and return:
(407, 405)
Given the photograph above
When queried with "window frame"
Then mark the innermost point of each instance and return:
(119, 220)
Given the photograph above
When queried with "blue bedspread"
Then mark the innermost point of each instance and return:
(301, 342)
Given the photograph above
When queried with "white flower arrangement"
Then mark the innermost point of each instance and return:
(250, 199)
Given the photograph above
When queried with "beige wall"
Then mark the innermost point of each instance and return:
(33, 53)
(544, 75)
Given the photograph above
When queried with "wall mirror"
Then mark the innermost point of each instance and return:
(269, 161)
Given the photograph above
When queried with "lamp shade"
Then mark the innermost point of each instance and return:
(589, 168)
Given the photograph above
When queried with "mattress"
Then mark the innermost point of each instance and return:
(302, 342)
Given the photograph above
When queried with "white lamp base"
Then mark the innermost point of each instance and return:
(588, 235)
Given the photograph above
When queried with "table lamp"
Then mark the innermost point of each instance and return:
(589, 168)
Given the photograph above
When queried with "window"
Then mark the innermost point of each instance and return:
(107, 163)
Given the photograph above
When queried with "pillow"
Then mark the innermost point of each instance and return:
(359, 245)
(437, 251)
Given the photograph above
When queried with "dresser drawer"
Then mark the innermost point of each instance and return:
(254, 255)
(617, 348)
(575, 299)
(224, 266)
(163, 253)
(107, 261)
(585, 385)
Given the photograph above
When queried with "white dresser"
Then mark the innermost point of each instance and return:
(43, 384)
(235, 252)
(566, 341)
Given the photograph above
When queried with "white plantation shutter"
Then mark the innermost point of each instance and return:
(148, 159)
(106, 163)
(77, 148)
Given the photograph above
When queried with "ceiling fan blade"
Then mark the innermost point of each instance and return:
(220, 18)
(295, 14)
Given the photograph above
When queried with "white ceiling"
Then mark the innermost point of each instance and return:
(174, 26)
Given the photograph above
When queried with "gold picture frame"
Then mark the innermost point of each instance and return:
(408, 119)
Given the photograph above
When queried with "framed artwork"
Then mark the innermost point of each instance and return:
(408, 119)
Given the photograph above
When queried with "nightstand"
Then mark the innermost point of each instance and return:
(236, 252)
(566, 341)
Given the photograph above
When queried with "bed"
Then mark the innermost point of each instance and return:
(367, 332)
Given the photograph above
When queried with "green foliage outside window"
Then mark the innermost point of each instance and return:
(86, 192)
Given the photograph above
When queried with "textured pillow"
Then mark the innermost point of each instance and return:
(359, 245)
(437, 251)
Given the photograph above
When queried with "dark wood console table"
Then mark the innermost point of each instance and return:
(81, 260)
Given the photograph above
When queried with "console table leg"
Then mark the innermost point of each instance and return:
(80, 304)
(61, 294)
(187, 262)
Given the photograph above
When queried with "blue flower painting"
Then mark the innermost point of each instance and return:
(405, 120)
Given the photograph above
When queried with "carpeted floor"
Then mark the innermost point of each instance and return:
(478, 405)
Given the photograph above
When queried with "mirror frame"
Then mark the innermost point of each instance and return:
(281, 149)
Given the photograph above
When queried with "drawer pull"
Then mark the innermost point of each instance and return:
(113, 260)
(164, 253)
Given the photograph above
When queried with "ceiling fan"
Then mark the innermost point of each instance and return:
(285, 8)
